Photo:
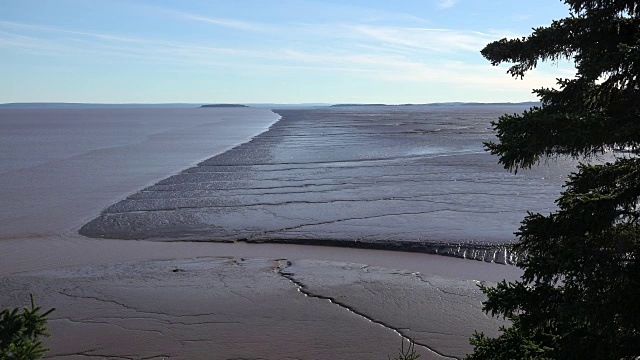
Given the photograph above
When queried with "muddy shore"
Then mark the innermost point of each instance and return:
(209, 263)
(236, 307)
(384, 178)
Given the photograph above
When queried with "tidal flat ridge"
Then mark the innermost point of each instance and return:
(406, 178)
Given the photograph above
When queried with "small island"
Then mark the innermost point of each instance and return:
(222, 105)
(349, 105)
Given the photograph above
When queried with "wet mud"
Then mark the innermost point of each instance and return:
(403, 178)
(233, 308)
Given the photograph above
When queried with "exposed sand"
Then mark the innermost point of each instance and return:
(241, 300)
(28, 255)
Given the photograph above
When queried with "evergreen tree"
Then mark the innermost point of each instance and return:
(579, 297)
(20, 332)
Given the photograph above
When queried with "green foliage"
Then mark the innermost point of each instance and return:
(409, 353)
(579, 297)
(20, 332)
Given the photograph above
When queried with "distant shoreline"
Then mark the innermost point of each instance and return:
(55, 105)
(526, 103)
(224, 106)
(59, 105)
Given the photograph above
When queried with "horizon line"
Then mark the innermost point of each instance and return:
(62, 103)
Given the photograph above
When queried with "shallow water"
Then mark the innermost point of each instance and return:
(391, 177)
(60, 167)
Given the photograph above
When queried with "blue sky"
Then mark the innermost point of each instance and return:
(294, 51)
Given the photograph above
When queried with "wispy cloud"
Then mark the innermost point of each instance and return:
(401, 69)
(438, 40)
(392, 54)
(359, 39)
(203, 17)
(519, 17)
(16, 25)
(229, 23)
(445, 4)
(30, 44)
(41, 42)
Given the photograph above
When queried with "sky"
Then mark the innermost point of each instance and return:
(275, 51)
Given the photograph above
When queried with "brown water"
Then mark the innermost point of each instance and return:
(61, 167)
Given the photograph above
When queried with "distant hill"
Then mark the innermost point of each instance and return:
(59, 105)
(274, 105)
(223, 106)
(343, 105)
(527, 103)
(56, 105)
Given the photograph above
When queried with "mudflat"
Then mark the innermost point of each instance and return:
(230, 279)
(406, 178)
(229, 308)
